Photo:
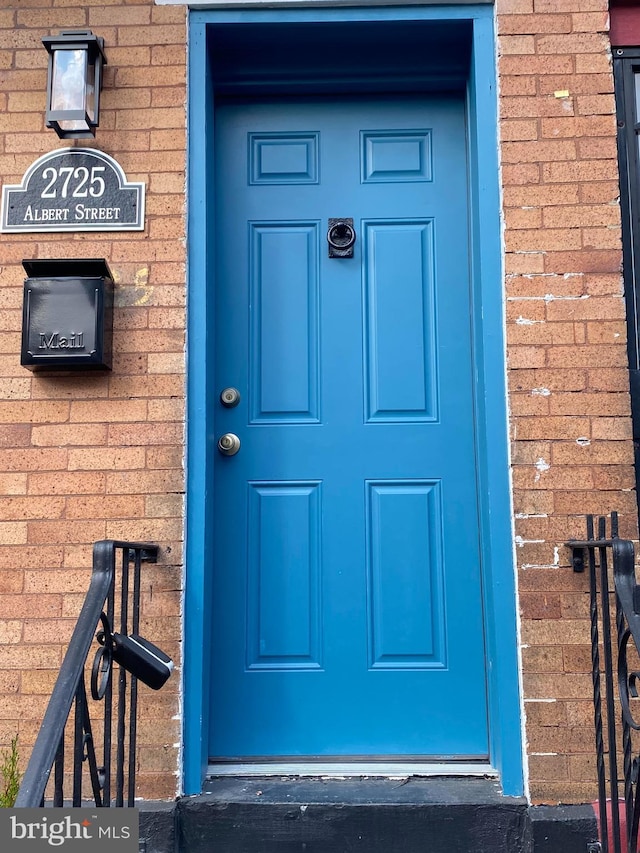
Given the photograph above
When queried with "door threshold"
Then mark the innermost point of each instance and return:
(341, 770)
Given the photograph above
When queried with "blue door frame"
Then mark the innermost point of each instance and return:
(505, 721)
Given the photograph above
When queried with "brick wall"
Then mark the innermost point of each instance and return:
(566, 335)
(86, 457)
(89, 457)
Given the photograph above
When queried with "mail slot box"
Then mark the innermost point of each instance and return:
(67, 315)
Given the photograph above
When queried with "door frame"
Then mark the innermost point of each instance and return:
(496, 517)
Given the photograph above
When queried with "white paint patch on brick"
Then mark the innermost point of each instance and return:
(532, 515)
(541, 466)
(551, 297)
(520, 541)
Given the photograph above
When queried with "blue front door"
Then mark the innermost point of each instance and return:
(346, 602)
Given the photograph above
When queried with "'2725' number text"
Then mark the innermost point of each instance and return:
(76, 183)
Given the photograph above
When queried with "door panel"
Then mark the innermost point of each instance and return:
(346, 609)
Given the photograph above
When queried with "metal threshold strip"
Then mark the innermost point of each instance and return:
(342, 769)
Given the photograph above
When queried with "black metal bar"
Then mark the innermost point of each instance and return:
(614, 525)
(635, 817)
(108, 709)
(78, 752)
(626, 738)
(48, 750)
(625, 72)
(89, 747)
(124, 593)
(122, 705)
(122, 682)
(133, 716)
(58, 779)
(597, 687)
(609, 696)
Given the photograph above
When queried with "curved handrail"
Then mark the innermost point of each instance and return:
(37, 773)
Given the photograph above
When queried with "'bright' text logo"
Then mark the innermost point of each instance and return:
(53, 832)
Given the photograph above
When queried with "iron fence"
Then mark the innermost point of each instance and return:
(614, 607)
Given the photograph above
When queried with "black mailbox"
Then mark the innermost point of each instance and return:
(67, 315)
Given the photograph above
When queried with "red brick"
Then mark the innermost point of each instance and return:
(582, 503)
(578, 126)
(535, 24)
(539, 107)
(607, 237)
(69, 435)
(552, 427)
(608, 379)
(586, 261)
(576, 84)
(526, 404)
(514, 7)
(146, 482)
(516, 44)
(126, 16)
(589, 308)
(527, 263)
(583, 170)
(521, 174)
(136, 434)
(542, 659)
(536, 64)
(155, 34)
(106, 411)
(580, 215)
(66, 484)
(525, 356)
(510, 86)
(574, 43)
(549, 380)
(595, 104)
(559, 686)
(64, 531)
(543, 195)
(107, 507)
(590, 22)
(539, 151)
(593, 63)
(543, 239)
(600, 192)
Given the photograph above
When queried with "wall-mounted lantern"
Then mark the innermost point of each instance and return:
(76, 58)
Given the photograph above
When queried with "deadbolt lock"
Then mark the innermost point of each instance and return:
(230, 397)
(229, 444)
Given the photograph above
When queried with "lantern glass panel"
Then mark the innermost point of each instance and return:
(91, 92)
(68, 85)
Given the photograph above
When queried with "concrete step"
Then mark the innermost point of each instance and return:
(414, 815)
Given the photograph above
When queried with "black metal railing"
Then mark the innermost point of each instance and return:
(615, 645)
(113, 599)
